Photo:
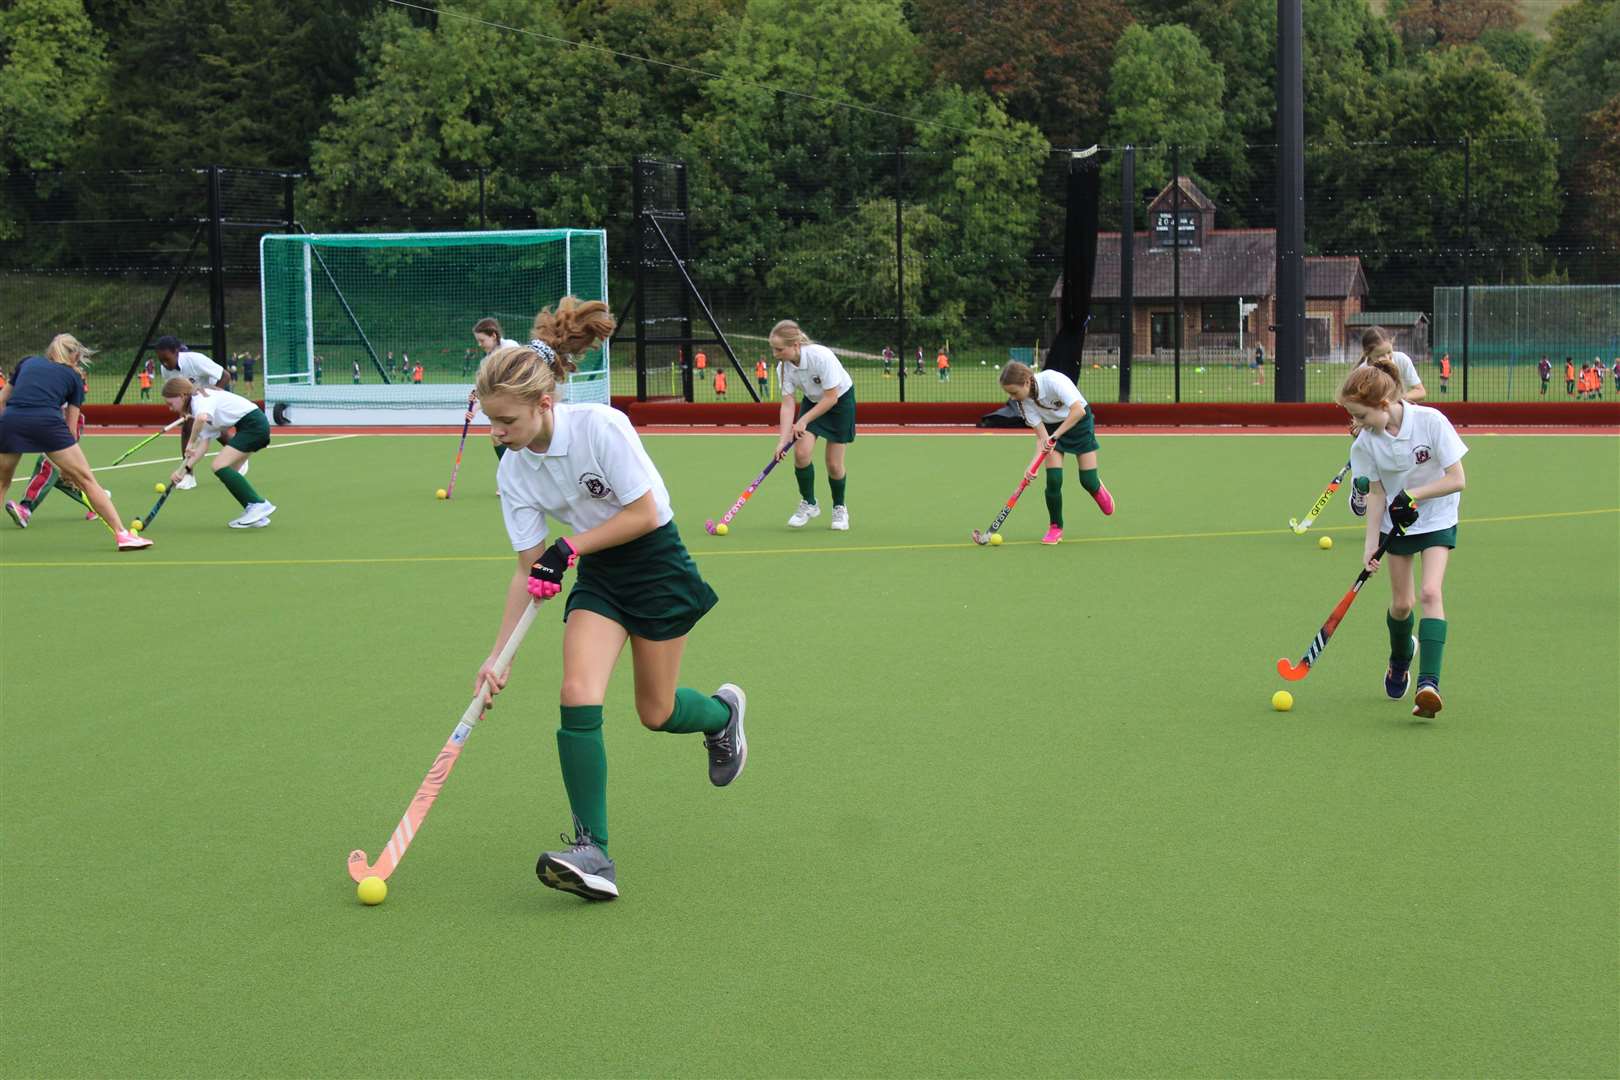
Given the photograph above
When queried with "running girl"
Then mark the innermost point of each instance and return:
(32, 421)
(585, 467)
(827, 410)
(213, 411)
(63, 349)
(1414, 452)
(1051, 404)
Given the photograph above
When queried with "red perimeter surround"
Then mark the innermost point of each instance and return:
(966, 414)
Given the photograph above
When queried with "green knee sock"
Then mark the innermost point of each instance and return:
(696, 711)
(1054, 496)
(1400, 638)
(1432, 647)
(807, 483)
(1090, 480)
(837, 485)
(583, 756)
(238, 486)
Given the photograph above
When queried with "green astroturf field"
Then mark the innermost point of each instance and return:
(1019, 811)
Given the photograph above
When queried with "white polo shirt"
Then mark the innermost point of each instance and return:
(817, 372)
(594, 467)
(198, 368)
(1403, 364)
(222, 408)
(1425, 448)
(1055, 395)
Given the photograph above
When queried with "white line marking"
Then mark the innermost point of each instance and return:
(172, 460)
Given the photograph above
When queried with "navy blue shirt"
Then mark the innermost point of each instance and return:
(39, 386)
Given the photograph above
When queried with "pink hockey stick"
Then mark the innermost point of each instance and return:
(360, 867)
(748, 492)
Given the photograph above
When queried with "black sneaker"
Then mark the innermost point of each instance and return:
(582, 868)
(1426, 702)
(1397, 677)
(728, 747)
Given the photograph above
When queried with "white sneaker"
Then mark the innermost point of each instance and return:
(187, 482)
(801, 517)
(258, 510)
(840, 519)
(254, 523)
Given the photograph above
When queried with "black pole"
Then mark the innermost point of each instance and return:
(216, 264)
(287, 202)
(1468, 252)
(682, 255)
(639, 202)
(1127, 270)
(157, 320)
(1175, 254)
(1288, 351)
(900, 262)
(481, 224)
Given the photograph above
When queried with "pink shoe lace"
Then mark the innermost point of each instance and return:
(1104, 500)
(1053, 535)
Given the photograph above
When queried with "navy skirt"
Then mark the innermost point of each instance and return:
(33, 432)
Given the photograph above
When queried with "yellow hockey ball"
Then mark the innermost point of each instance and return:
(1282, 701)
(995, 539)
(372, 891)
(1324, 542)
(721, 529)
(159, 487)
(441, 494)
(137, 525)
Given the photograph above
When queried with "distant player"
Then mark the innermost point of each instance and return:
(919, 360)
(1414, 452)
(216, 411)
(1544, 369)
(146, 383)
(39, 411)
(1376, 342)
(585, 467)
(1445, 372)
(487, 333)
(1569, 376)
(888, 359)
(720, 382)
(248, 361)
(176, 359)
(943, 361)
(1259, 364)
(762, 375)
(416, 373)
(701, 363)
(1053, 406)
(355, 376)
(826, 410)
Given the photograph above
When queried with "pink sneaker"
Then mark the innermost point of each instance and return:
(1053, 535)
(19, 513)
(1104, 500)
(128, 541)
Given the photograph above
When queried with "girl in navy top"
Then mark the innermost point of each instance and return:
(32, 421)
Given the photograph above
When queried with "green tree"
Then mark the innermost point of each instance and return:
(230, 82)
(1515, 50)
(50, 82)
(1045, 61)
(1400, 205)
(1164, 90)
(1596, 184)
(1434, 24)
(1580, 68)
(794, 130)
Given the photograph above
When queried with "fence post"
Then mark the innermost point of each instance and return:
(1175, 253)
(900, 259)
(638, 200)
(216, 265)
(481, 175)
(1288, 348)
(1468, 252)
(287, 202)
(1127, 270)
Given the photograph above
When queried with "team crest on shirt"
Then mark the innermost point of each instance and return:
(1421, 454)
(595, 486)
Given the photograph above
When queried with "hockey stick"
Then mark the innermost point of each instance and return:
(360, 867)
(472, 401)
(748, 492)
(1322, 500)
(151, 515)
(982, 538)
(84, 500)
(1295, 672)
(170, 426)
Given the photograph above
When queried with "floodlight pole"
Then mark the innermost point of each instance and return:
(1288, 353)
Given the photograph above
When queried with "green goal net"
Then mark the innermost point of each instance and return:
(1516, 325)
(377, 327)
